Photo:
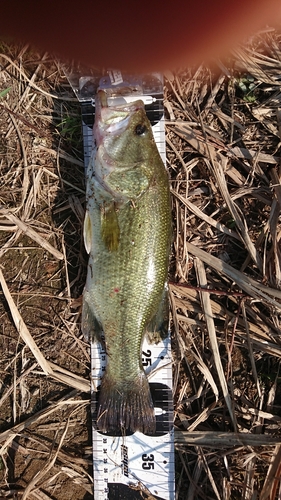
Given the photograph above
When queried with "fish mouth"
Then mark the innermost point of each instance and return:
(114, 119)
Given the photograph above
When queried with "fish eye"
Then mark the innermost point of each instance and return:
(140, 129)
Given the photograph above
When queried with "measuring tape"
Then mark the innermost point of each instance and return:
(144, 462)
(130, 466)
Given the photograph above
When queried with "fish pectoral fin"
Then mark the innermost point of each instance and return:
(157, 328)
(87, 232)
(110, 231)
(90, 326)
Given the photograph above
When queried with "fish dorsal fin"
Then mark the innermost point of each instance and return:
(87, 232)
(110, 231)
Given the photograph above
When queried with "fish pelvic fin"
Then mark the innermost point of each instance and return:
(126, 406)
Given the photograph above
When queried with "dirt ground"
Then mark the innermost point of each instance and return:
(42, 183)
(223, 131)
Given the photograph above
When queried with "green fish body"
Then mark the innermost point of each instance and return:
(127, 234)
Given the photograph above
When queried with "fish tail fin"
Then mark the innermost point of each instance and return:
(126, 406)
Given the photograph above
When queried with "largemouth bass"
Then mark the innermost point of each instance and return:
(127, 234)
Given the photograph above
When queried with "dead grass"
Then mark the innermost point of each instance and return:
(223, 149)
(45, 432)
(223, 140)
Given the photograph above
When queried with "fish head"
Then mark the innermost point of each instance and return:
(125, 146)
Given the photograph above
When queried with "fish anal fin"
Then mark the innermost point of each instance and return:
(126, 406)
(157, 328)
(110, 231)
(90, 326)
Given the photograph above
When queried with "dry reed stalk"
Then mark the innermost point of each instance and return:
(47, 466)
(31, 83)
(8, 435)
(49, 369)
(207, 309)
(22, 329)
(251, 287)
(273, 477)
(204, 217)
(31, 233)
(216, 439)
